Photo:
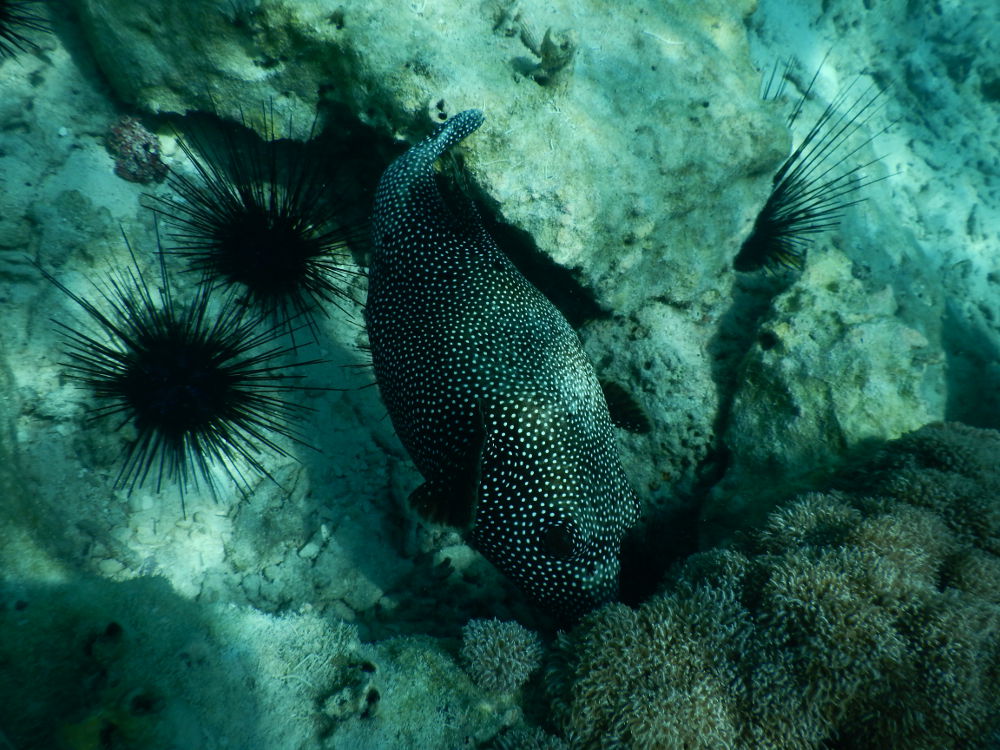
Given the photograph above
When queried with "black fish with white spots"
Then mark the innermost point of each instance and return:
(491, 393)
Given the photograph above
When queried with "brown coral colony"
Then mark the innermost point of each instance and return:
(867, 616)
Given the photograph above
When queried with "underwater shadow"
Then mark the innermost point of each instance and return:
(93, 663)
(972, 371)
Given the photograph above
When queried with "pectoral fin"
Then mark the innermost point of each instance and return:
(451, 497)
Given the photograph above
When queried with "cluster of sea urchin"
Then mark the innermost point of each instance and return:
(208, 381)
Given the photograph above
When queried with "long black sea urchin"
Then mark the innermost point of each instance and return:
(261, 217)
(17, 17)
(202, 383)
(812, 188)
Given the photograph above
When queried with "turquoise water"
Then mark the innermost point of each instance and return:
(625, 157)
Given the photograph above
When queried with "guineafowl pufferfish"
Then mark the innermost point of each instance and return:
(491, 393)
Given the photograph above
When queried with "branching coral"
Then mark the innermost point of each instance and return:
(867, 617)
(499, 656)
(524, 738)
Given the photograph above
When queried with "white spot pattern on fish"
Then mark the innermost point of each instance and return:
(491, 393)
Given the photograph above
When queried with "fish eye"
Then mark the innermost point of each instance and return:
(560, 540)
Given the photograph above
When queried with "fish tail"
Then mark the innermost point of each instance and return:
(407, 187)
(418, 161)
(447, 135)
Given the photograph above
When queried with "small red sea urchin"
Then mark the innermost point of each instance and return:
(136, 151)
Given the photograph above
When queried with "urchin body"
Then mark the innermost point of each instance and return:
(261, 218)
(491, 393)
(201, 383)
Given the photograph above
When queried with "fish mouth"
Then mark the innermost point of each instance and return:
(590, 586)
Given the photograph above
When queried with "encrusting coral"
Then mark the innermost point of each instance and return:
(865, 617)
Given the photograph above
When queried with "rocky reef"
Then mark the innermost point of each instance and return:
(626, 154)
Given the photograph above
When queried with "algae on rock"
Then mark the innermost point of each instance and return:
(832, 367)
